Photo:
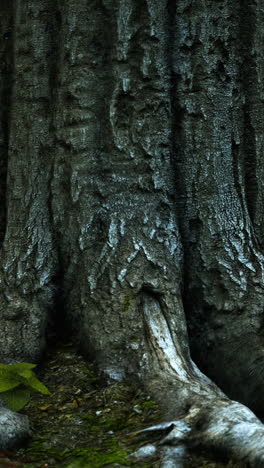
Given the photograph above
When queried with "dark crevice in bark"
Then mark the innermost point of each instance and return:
(176, 115)
(54, 59)
(236, 174)
(248, 75)
(178, 157)
(56, 327)
(250, 178)
(7, 71)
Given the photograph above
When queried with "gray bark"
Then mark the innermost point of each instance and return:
(220, 97)
(132, 195)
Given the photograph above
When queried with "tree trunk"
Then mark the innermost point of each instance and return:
(132, 181)
(220, 167)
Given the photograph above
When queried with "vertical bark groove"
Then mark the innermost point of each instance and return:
(6, 80)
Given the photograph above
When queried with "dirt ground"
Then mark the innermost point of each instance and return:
(83, 424)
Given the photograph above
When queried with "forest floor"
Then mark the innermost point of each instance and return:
(84, 425)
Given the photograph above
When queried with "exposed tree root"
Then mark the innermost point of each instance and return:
(208, 418)
(221, 426)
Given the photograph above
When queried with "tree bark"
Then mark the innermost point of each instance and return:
(132, 194)
(219, 159)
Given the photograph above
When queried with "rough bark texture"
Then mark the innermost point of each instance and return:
(220, 163)
(131, 136)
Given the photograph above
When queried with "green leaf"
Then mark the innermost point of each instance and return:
(4, 366)
(27, 374)
(16, 398)
(16, 380)
(8, 380)
(33, 382)
(21, 367)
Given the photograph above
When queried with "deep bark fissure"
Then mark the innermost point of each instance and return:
(7, 32)
(248, 73)
(250, 178)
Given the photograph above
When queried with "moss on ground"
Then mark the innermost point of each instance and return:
(84, 425)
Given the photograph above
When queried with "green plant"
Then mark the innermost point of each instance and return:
(16, 383)
(149, 405)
